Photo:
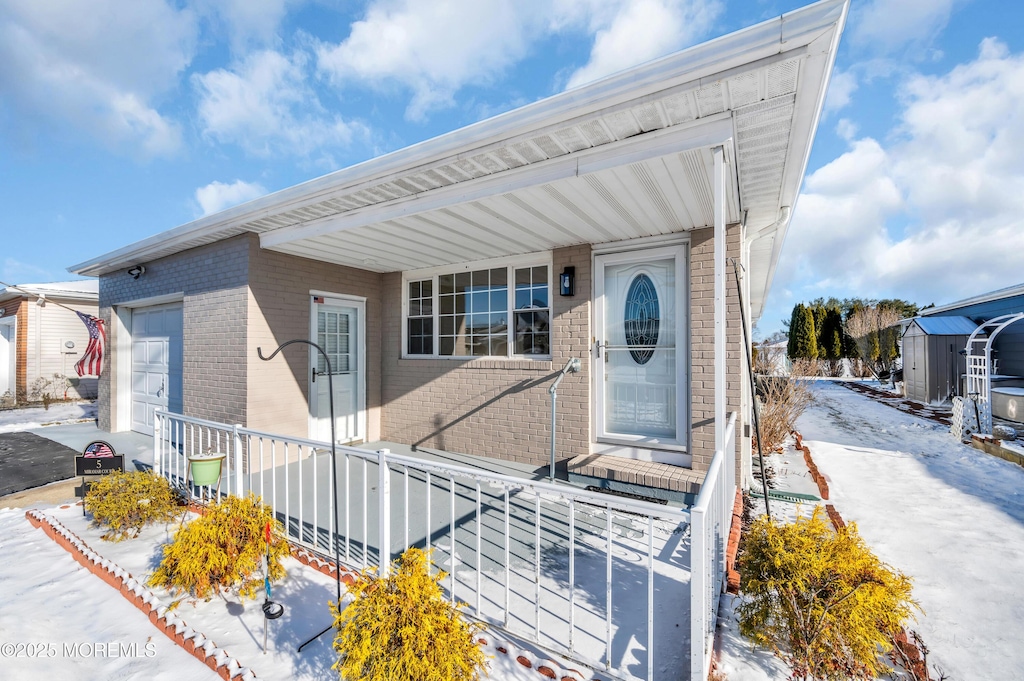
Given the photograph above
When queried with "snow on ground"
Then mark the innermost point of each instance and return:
(948, 515)
(14, 420)
(58, 620)
(51, 602)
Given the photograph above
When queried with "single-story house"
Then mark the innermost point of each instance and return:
(41, 338)
(450, 281)
(997, 319)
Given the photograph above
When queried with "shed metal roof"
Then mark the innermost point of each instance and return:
(945, 326)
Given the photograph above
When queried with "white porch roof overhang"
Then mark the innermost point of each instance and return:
(628, 156)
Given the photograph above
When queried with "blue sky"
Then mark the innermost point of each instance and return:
(122, 118)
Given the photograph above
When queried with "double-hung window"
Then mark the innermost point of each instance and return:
(479, 312)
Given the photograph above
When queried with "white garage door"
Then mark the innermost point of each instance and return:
(156, 363)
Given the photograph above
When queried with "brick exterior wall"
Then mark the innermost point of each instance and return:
(702, 344)
(493, 407)
(213, 279)
(279, 310)
(238, 297)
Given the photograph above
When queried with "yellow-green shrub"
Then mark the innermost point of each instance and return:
(125, 502)
(402, 628)
(820, 599)
(221, 549)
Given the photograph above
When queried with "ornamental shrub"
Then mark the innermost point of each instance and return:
(222, 549)
(125, 502)
(820, 599)
(402, 628)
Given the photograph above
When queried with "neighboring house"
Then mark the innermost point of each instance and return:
(41, 339)
(1005, 369)
(433, 275)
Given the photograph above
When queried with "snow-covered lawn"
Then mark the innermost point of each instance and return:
(15, 420)
(50, 602)
(948, 515)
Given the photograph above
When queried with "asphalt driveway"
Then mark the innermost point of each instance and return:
(28, 460)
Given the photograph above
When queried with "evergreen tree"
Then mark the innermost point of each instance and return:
(794, 321)
(803, 341)
(830, 336)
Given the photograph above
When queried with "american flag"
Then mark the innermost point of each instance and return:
(92, 362)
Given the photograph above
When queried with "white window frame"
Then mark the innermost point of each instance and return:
(511, 263)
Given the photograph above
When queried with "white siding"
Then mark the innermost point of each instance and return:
(49, 327)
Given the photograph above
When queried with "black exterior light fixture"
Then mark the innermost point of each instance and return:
(137, 271)
(567, 281)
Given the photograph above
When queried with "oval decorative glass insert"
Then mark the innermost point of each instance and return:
(642, 318)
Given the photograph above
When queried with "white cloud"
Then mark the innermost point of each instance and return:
(248, 22)
(216, 196)
(435, 48)
(935, 215)
(891, 25)
(644, 30)
(96, 66)
(432, 48)
(840, 91)
(265, 106)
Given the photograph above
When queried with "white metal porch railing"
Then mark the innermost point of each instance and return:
(584, 574)
(710, 520)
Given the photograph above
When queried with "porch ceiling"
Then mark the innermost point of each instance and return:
(658, 196)
(625, 157)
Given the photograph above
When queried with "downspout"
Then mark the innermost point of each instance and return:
(571, 367)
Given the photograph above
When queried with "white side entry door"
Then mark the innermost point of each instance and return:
(338, 326)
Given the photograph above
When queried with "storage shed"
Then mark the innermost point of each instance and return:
(932, 363)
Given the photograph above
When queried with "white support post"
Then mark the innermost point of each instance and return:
(698, 588)
(720, 308)
(157, 452)
(236, 460)
(384, 495)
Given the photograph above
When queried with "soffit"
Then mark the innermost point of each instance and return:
(654, 196)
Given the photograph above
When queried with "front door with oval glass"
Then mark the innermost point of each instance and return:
(640, 353)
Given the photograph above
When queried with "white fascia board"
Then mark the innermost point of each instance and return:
(704, 61)
(827, 47)
(704, 132)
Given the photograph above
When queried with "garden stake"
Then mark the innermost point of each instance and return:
(334, 464)
(271, 610)
(753, 387)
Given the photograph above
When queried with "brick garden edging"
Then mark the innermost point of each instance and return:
(201, 647)
(135, 592)
(818, 478)
(735, 531)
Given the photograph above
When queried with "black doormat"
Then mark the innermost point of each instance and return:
(28, 460)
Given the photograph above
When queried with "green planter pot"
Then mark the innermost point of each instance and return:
(206, 468)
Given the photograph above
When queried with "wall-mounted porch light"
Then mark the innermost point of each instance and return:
(567, 281)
